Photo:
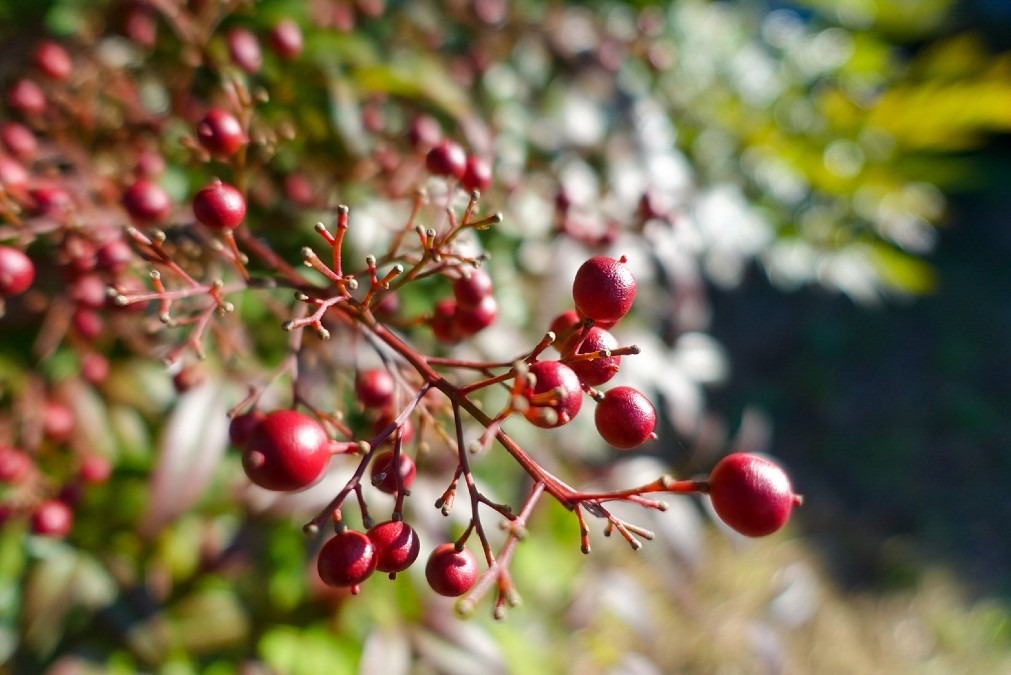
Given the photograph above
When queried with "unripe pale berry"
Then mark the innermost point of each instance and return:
(449, 571)
(219, 206)
(286, 451)
(17, 272)
(556, 395)
(397, 545)
(375, 387)
(52, 518)
(597, 371)
(447, 159)
(625, 418)
(146, 202)
(220, 132)
(603, 289)
(751, 494)
(347, 559)
(385, 479)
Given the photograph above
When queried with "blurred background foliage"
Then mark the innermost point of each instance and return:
(825, 193)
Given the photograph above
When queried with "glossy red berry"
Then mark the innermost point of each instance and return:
(555, 397)
(52, 518)
(94, 470)
(447, 159)
(240, 428)
(443, 325)
(53, 60)
(17, 272)
(220, 132)
(27, 98)
(19, 141)
(286, 39)
(604, 288)
(244, 49)
(471, 287)
(374, 387)
(146, 202)
(15, 465)
(449, 571)
(286, 451)
(220, 206)
(625, 418)
(347, 559)
(472, 319)
(751, 494)
(477, 174)
(397, 545)
(593, 372)
(383, 476)
(113, 255)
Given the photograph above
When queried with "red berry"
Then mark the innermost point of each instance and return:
(14, 465)
(244, 49)
(470, 320)
(447, 159)
(17, 272)
(19, 140)
(443, 326)
(425, 133)
(604, 289)
(58, 421)
(562, 326)
(286, 39)
(347, 559)
(386, 419)
(52, 518)
(625, 418)
(146, 202)
(49, 199)
(375, 387)
(477, 174)
(556, 395)
(150, 163)
(27, 98)
(383, 476)
(751, 494)
(449, 571)
(397, 545)
(87, 323)
(53, 60)
(220, 206)
(141, 26)
(596, 371)
(240, 428)
(94, 470)
(13, 177)
(94, 367)
(472, 287)
(286, 451)
(113, 255)
(220, 132)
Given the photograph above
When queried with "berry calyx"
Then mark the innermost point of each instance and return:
(625, 418)
(52, 518)
(375, 388)
(603, 288)
(146, 202)
(451, 571)
(447, 159)
(286, 451)
(556, 395)
(17, 272)
(751, 494)
(219, 206)
(220, 132)
(397, 545)
(593, 372)
(347, 559)
(383, 476)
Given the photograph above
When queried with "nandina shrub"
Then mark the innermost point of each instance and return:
(213, 237)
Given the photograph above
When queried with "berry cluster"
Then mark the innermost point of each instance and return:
(378, 391)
